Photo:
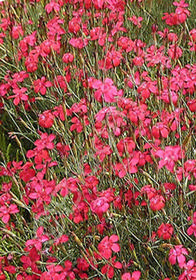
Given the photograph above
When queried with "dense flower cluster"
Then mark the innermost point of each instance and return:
(98, 175)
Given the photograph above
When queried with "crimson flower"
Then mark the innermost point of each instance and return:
(58, 272)
(159, 130)
(60, 81)
(74, 25)
(107, 245)
(63, 186)
(62, 239)
(125, 145)
(46, 119)
(192, 105)
(77, 124)
(79, 42)
(165, 231)
(63, 149)
(30, 260)
(27, 172)
(17, 31)
(82, 267)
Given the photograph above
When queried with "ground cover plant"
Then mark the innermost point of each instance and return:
(97, 139)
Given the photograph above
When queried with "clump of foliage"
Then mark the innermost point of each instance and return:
(98, 168)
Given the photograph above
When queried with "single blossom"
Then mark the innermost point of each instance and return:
(177, 254)
(107, 245)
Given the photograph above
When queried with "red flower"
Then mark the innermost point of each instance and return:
(17, 31)
(77, 124)
(63, 186)
(63, 149)
(125, 145)
(82, 266)
(46, 119)
(27, 172)
(78, 42)
(107, 245)
(160, 130)
(61, 82)
(165, 231)
(192, 105)
(157, 202)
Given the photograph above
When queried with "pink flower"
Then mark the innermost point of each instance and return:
(19, 95)
(106, 90)
(174, 51)
(68, 58)
(40, 85)
(52, 6)
(169, 156)
(45, 142)
(157, 202)
(192, 229)
(107, 245)
(136, 21)
(177, 254)
(108, 269)
(189, 271)
(134, 276)
(37, 242)
(100, 206)
(6, 211)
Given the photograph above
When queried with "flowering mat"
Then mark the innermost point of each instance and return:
(97, 139)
